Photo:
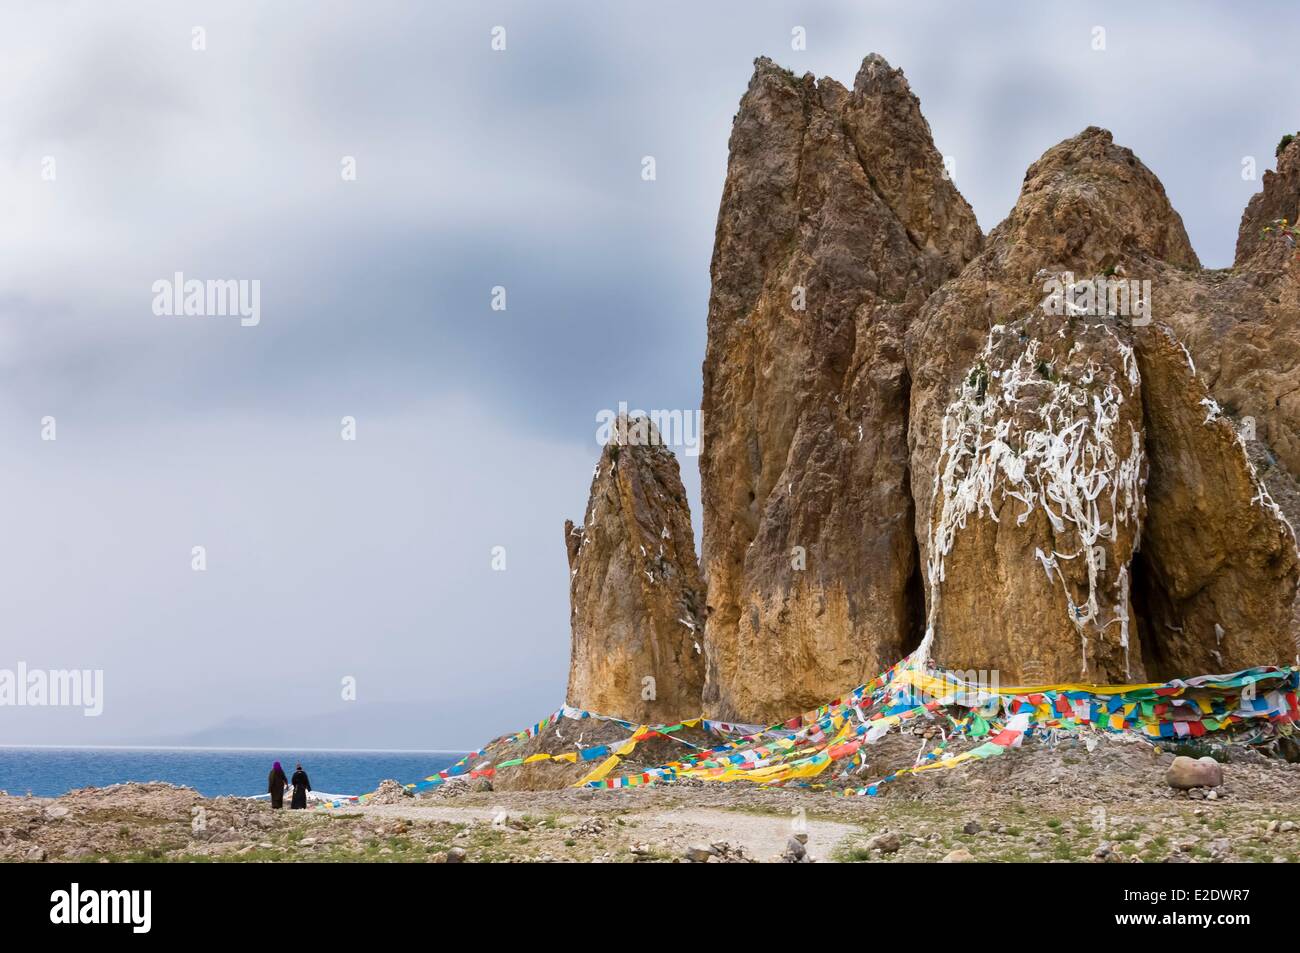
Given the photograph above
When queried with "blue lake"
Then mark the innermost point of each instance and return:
(48, 772)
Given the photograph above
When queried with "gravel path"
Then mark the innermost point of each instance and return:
(761, 835)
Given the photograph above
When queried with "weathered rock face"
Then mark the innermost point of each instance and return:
(1218, 567)
(1242, 329)
(1035, 494)
(636, 601)
(1038, 504)
(836, 220)
(1028, 462)
(1084, 205)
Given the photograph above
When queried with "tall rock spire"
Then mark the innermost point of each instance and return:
(836, 221)
(636, 602)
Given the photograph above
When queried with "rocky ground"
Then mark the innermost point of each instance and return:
(1110, 804)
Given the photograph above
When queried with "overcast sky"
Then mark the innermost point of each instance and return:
(476, 428)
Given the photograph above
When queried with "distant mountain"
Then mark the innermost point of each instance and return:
(453, 726)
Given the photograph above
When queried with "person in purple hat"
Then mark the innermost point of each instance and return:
(275, 785)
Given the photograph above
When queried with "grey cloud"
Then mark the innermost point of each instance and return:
(475, 169)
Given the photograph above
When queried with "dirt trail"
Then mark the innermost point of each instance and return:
(762, 836)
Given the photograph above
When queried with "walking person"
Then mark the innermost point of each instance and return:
(275, 785)
(301, 785)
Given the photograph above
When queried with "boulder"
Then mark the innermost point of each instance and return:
(1186, 773)
(700, 853)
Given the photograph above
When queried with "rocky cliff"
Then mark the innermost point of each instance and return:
(635, 595)
(836, 221)
(1053, 454)
(1091, 442)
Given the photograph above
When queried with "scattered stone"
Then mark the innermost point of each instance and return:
(451, 788)
(456, 855)
(725, 853)
(389, 792)
(590, 827)
(959, 856)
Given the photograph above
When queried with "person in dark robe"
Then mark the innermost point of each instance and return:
(301, 785)
(275, 785)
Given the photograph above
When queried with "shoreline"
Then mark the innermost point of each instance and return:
(1038, 803)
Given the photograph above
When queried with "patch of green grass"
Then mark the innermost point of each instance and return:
(853, 854)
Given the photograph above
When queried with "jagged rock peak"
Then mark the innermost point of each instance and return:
(1086, 204)
(1279, 199)
(875, 72)
(636, 601)
(836, 221)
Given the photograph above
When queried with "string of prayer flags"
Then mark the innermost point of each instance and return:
(834, 739)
